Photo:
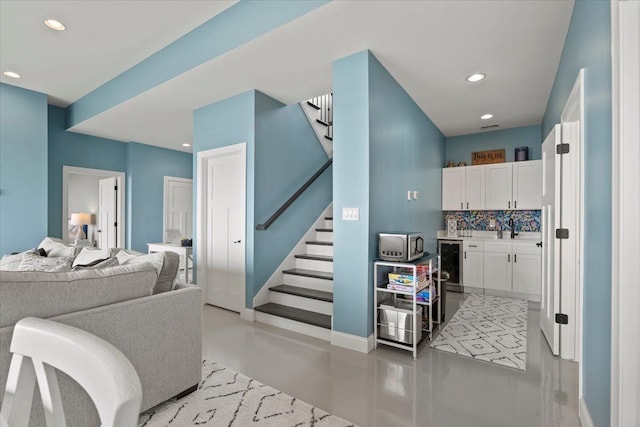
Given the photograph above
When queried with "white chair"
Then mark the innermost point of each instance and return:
(40, 347)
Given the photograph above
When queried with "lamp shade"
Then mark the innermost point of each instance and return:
(80, 219)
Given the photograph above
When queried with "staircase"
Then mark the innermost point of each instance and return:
(304, 301)
(319, 112)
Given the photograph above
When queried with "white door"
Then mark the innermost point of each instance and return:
(107, 213)
(452, 189)
(526, 273)
(224, 243)
(474, 188)
(178, 209)
(527, 185)
(550, 297)
(472, 269)
(498, 186)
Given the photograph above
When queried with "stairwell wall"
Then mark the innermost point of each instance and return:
(384, 145)
(282, 153)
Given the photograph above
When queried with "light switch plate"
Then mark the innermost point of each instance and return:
(350, 214)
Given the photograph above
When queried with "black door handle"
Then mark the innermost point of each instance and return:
(539, 244)
(237, 241)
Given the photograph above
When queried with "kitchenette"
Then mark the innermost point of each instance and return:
(492, 243)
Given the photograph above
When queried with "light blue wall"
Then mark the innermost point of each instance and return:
(588, 45)
(230, 121)
(287, 154)
(282, 153)
(146, 168)
(144, 165)
(226, 31)
(23, 168)
(459, 148)
(74, 149)
(384, 145)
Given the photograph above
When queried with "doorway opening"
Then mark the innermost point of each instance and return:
(81, 193)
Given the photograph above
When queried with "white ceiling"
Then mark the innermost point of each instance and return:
(428, 46)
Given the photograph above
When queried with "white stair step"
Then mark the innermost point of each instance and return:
(303, 303)
(320, 248)
(328, 223)
(315, 262)
(308, 282)
(324, 234)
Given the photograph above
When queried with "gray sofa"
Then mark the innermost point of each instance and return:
(160, 333)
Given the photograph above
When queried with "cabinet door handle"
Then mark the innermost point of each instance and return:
(467, 205)
(508, 257)
(515, 204)
(473, 246)
(465, 254)
(461, 205)
(509, 204)
(515, 257)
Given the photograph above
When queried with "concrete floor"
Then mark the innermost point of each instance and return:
(388, 388)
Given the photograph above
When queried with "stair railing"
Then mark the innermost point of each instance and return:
(293, 198)
(324, 104)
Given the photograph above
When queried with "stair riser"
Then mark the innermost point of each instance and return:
(308, 282)
(324, 236)
(313, 264)
(323, 250)
(292, 325)
(309, 304)
(328, 223)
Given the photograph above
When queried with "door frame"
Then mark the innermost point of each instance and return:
(120, 176)
(201, 215)
(165, 195)
(625, 230)
(575, 107)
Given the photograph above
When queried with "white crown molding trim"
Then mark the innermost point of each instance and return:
(583, 413)
(352, 342)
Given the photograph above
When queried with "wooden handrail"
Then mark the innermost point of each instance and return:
(293, 198)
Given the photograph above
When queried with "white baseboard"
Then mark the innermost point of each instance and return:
(352, 342)
(248, 314)
(583, 413)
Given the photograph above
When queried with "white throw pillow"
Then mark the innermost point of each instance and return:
(156, 259)
(88, 255)
(34, 262)
(56, 247)
(12, 262)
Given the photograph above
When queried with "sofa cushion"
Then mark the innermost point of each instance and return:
(167, 267)
(89, 255)
(49, 294)
(57, 247)
(35, 262)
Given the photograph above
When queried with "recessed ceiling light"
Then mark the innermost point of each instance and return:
(12, 74)
(475, 77)
(486, 116)
(186, 144)
(55, 24)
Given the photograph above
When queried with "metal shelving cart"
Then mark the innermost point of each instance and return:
(395, 306)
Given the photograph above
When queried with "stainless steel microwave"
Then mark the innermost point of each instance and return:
(401, 247)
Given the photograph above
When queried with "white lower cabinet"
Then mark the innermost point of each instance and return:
(472, 263)
(503, 267)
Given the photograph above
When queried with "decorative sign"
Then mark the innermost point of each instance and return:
(486, 157)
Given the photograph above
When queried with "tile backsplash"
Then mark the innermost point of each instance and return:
(479, 220)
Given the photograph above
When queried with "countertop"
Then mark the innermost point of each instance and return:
(493, 235)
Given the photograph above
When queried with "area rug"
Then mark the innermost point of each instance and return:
(493, 329)
(227, 398)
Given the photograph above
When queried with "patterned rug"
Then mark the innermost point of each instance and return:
(227, 398)
(493, 329)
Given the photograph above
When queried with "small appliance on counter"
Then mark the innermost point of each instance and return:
(400, 247)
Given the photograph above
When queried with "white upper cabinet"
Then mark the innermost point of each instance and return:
(527, 185)
(463, 188)
(498, 186)
(474, 189)
(452, 189)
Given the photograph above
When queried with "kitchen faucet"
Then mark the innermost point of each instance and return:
(513, 228)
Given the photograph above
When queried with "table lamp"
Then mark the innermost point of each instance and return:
(80, 219)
